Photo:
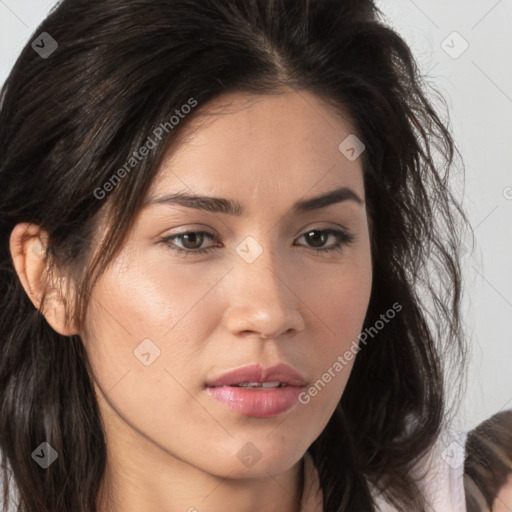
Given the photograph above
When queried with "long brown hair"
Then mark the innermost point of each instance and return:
(69, 121)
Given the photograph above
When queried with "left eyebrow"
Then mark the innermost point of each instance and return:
(230, 207)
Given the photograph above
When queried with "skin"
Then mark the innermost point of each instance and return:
(503, 501)
(171, 447)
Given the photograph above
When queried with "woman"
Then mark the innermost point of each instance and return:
(214, 213)
(488, 465)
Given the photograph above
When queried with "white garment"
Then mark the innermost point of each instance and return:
(443, 475)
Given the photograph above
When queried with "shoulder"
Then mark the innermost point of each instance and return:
(440, 475)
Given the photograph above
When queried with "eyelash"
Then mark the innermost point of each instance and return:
(344, 239)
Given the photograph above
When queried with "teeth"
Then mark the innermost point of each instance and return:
(261, 384)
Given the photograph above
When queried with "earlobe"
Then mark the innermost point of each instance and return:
(28, 243)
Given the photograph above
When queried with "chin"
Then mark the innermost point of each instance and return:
(259, 457)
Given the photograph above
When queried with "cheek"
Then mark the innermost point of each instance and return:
(340, 296)
(139, 320)
(143, 345)
(344, 299)
(339, 299)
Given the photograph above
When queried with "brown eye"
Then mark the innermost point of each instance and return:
(317, 238)
(191, 242)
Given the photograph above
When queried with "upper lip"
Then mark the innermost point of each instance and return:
(256, 373)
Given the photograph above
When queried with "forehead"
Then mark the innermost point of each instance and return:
(243, 144)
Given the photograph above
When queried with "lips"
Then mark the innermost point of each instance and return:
(258, 392)
(256, 375)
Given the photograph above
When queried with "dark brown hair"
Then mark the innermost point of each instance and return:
(488, 462)
(123, 67)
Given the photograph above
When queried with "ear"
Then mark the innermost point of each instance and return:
(28, 243)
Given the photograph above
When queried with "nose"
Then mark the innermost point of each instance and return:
(262, 299)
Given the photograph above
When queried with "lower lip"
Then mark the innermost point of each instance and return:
(260, 402)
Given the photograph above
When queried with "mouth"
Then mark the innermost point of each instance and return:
(254, 375)
(260, 385)
(258, 392)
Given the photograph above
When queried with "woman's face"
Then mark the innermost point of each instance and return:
(503, 501)
(162, 325)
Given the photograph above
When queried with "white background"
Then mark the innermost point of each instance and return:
(478, 87)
